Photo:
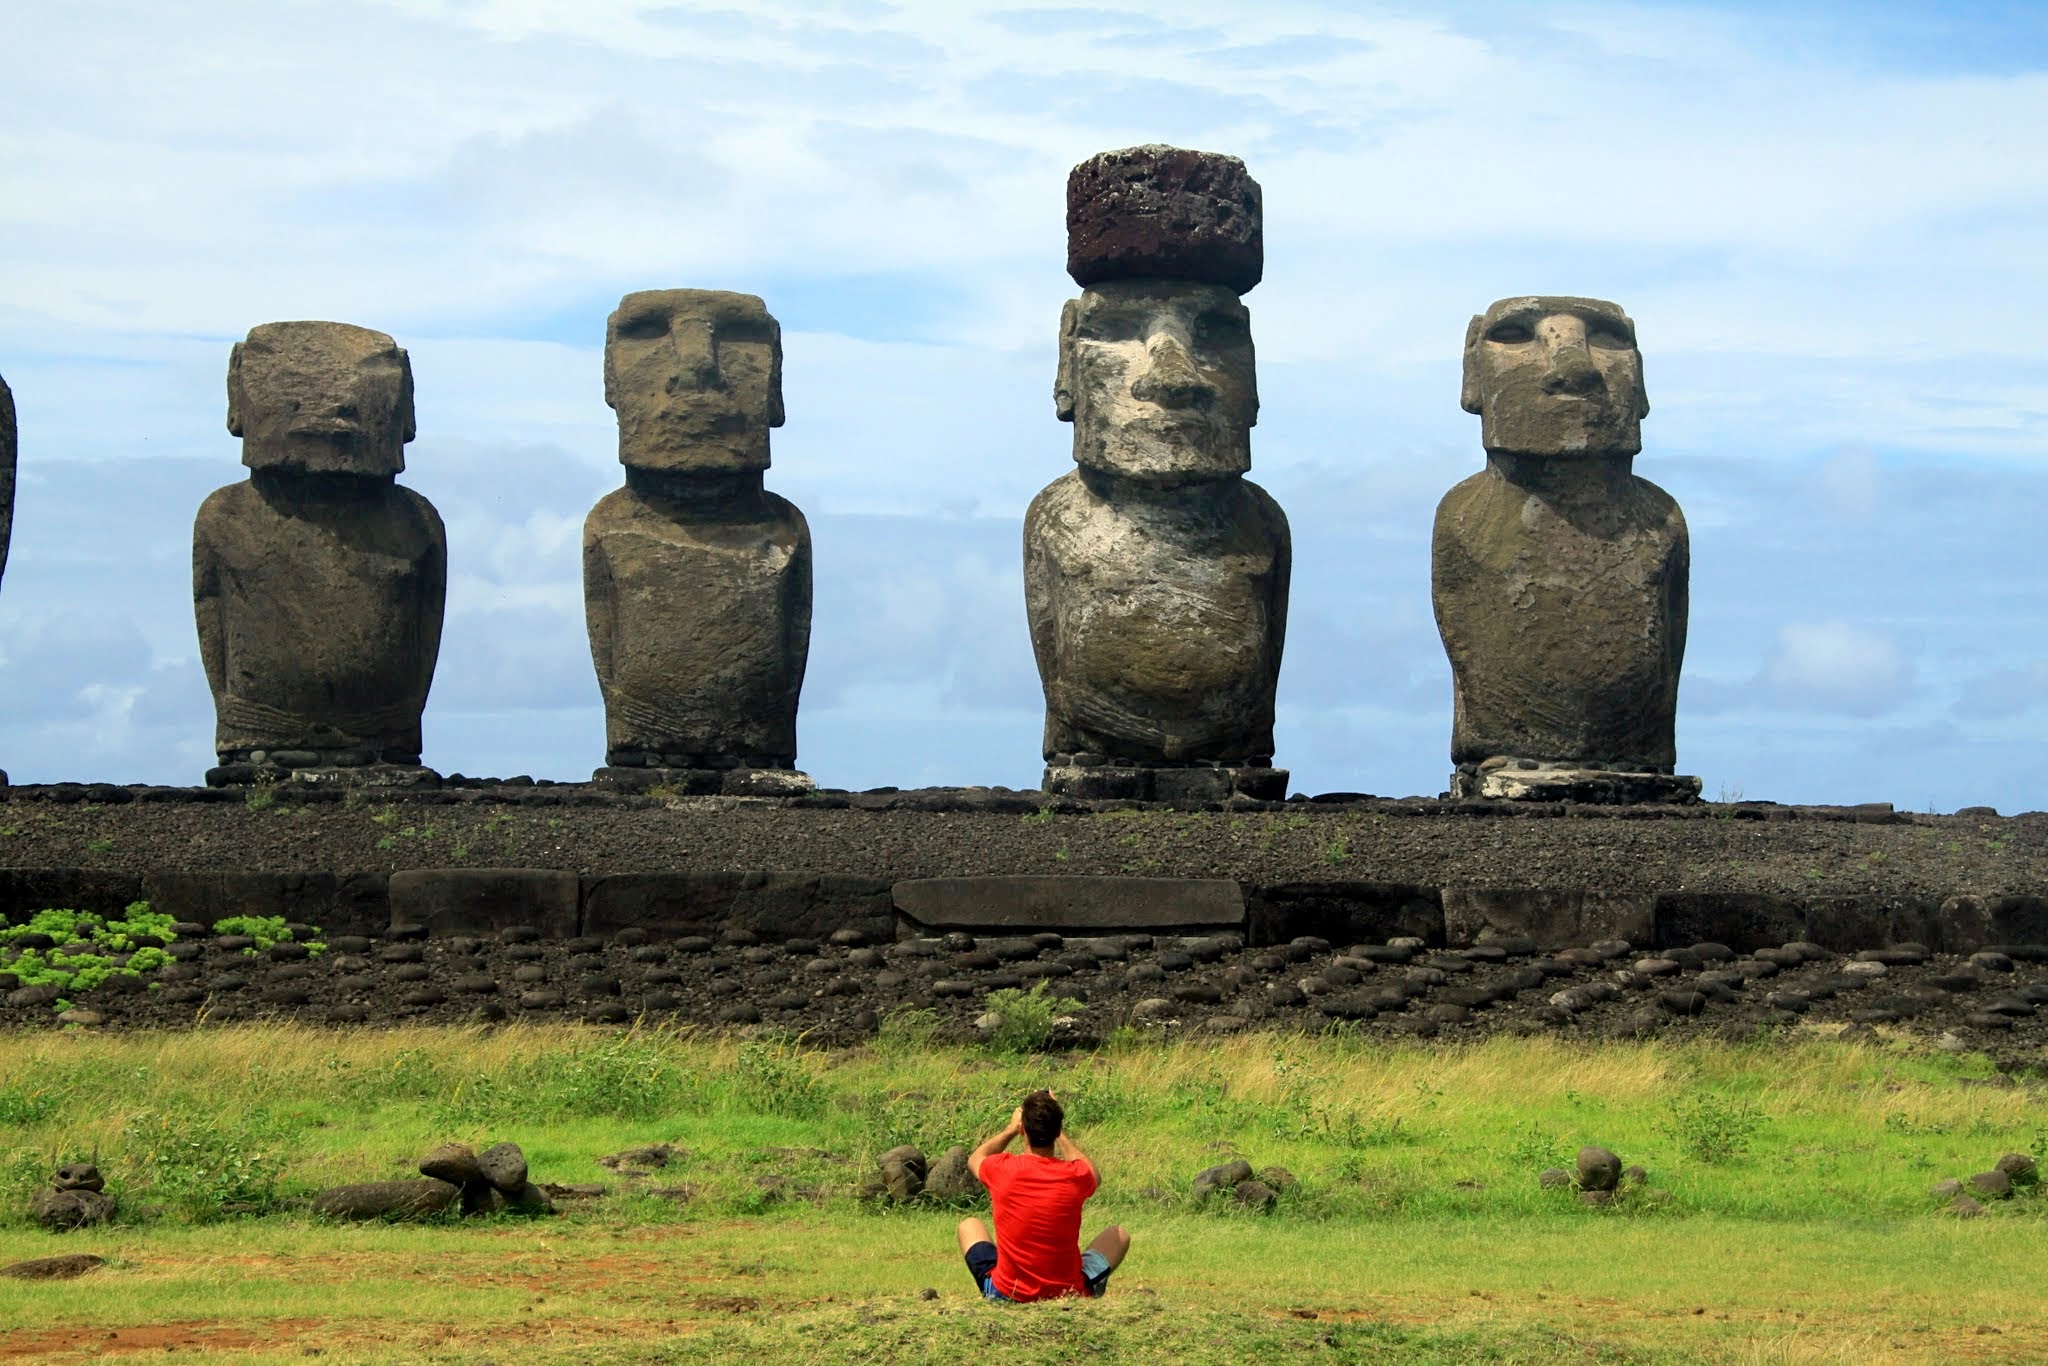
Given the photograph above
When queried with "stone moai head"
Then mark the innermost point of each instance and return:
(321, 398)
(695, 376)
(1551, 375)
(1156, 367)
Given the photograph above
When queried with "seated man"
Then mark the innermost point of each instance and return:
(1037, 1197)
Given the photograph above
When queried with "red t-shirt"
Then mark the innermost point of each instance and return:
(1038, 1223)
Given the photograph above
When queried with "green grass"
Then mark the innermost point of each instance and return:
(1798, 1226)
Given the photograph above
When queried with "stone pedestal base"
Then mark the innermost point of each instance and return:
(705, 782)
(1593, 786)
(330, 775)
(1105, 782)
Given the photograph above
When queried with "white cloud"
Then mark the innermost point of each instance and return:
(1837, 666)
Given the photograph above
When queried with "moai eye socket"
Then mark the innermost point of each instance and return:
(743, 330)
(1111, 325)
(1609, 335)
(1220, 332)
(1511, 332)
(644, 327)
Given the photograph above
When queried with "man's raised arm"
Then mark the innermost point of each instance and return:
(1067, 1151)
(996, 1142)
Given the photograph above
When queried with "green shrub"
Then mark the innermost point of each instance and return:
(193, 1162)
(772, 1079)
(1712, 1128)
(266, 930)
(1025, 1017)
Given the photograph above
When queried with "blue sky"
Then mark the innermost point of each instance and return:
(1829, 222)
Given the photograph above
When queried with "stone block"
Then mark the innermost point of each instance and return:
(24, 891)
(339, 903)
(1744, 921)
(1852, 923)
(774, 905)
(1555, 918)
(1102, 904)
(1181, 786)
(1587, 786)
(1344, 912)
(447, 901)
(1968, 922)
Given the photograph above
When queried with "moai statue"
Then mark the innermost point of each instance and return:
(319, 582)
(1155, 573)
(7, 454)
(1559, 577)
(696, 579)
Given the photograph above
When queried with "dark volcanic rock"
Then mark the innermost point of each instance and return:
(1168, 213)
(419, 1199)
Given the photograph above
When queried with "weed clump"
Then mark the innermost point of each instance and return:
(1023, 1020)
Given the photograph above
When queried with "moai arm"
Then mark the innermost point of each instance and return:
(799, 614)
(1283, 574)
(7, 454)
(600, 616)
(433, 597)
(1041, 590)
(207, 604)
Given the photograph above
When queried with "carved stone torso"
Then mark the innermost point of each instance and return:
(1157, 616)
(1560, 594)
(700, 623)
(319, 601)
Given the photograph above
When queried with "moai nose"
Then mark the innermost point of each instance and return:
(1572, 370)
(696, 356)
(1170, 379)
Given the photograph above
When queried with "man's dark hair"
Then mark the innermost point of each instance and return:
(1042, 1119)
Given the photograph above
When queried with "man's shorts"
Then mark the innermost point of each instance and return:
(981, 1264)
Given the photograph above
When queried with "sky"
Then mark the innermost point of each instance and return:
(1829, 222)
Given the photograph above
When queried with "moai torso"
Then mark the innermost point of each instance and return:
(1155, 574)
(1563, 612)
(1559, 577)
(1157, 617)
(320, 602)
(696, 580)
(699, 624)
(319, 583)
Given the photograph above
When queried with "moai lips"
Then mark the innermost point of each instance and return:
(319, 583)
(1155, 575)
(1559, 576)
(696, 579)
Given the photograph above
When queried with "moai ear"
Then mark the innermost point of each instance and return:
(235, 390)
(408, 427)
(1469, 394)
(1642, 391)
(1063, 381)
(775, 409)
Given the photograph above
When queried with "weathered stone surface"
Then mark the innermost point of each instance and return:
(64, 1268)
(1344, 912)
(696, 579)
(1744, 921)
(1553, 918)
(1105, 904)
(1587, 786)
(418, 1199)
(78, 1176)
(1599, 1169)
(504, 1166)
(318, 585)
(773, 905)
(482, 900)
(903, 1172)
(1968, 922)
(1183, 785)
(1169, 213)
(452, 1162)
(950, 1179)
(59, 1210)
(24, 891)
(339, 903)
(1155, 576)
(1559, 577)
(1223, 1177)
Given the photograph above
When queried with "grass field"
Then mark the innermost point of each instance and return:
(1797, 1226)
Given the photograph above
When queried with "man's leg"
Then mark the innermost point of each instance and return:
(1103, 1256)
(980, 1252)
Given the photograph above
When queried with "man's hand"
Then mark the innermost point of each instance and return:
(996, 1142)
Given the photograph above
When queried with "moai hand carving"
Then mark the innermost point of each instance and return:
(696, 579)
(1155, 574)
(319, 583)
(1559, 577)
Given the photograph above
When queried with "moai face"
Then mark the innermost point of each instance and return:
(695, 376)
(322, 398)
(1555, 376)
(1159, 380)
